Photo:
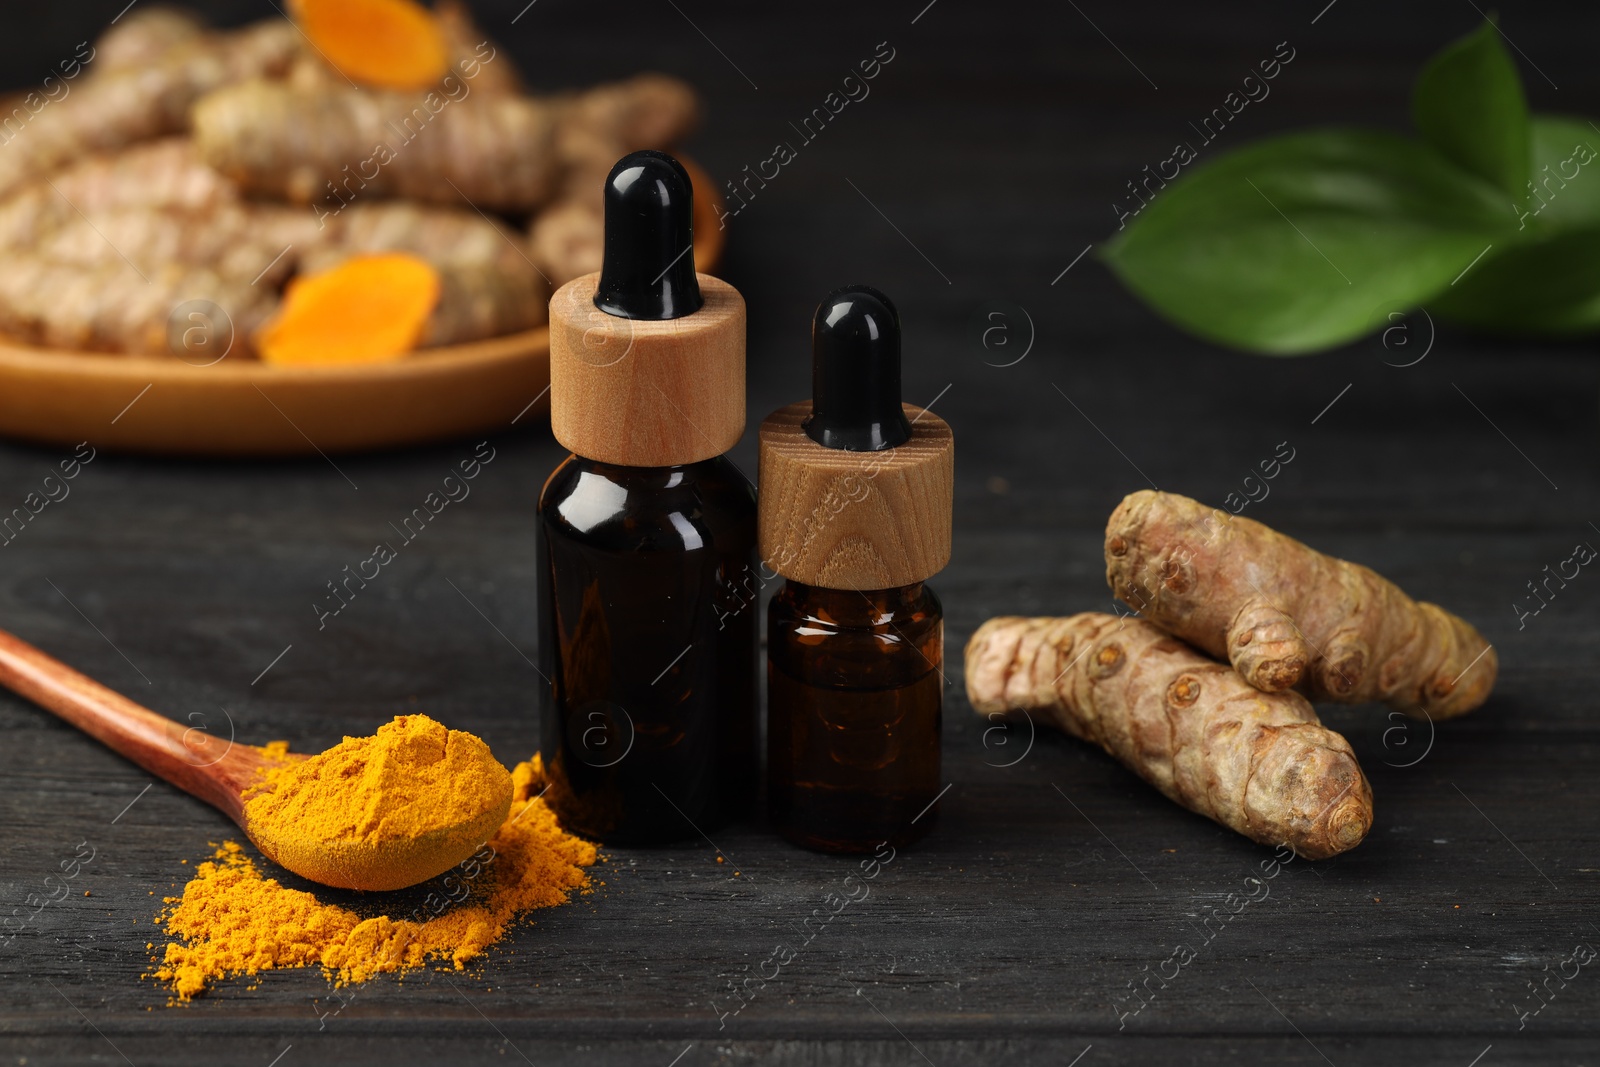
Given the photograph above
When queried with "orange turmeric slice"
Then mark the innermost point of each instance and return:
(366, 310)
(390, 44)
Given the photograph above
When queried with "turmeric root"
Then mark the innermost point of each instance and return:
(131, 105)
(135, 236)
(479, 302)
(154, 203)
(441, 235)
(609, 121)
(567, 241)
(110, 307)
(473, 57)
(1258, 763)
(104, 254)
(488, 285)
(366, 310)
(164, 174)
(594, 129)
(329, 146)
(390, 44)
(597, 127)
(235, 241)
(143, 36)
(159, 206)
(1287, 616)
(237, 256)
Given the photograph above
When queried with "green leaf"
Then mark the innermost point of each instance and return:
(1468, 104)
(1566, 174)
(1545, 288)
(1307, 241)
(1546, 282)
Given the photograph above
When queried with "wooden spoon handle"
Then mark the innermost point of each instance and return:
(188, 757)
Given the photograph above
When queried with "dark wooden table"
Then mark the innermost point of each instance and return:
(985, 160)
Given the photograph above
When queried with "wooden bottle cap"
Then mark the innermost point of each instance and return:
(856, 520)
(647, 392)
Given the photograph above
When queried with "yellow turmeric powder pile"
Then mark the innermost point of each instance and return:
(381, 812)
(232, 920)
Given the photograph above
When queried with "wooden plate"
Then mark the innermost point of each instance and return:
(242, 407)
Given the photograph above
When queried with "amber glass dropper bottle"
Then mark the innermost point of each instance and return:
(646, 532)
(856, 492)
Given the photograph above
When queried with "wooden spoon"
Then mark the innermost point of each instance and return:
(218, 771)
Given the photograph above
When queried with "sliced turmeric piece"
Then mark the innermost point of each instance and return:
(391, 44)
(487, 285)
(366, 310)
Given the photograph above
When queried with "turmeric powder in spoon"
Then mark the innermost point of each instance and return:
(381, 812)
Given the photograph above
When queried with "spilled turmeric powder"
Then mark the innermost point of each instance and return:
(381, 812)
(232, 920)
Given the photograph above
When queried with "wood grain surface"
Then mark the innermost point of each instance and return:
(969, 183)
(243, 407)
(194, 760)
(643, 392)
(856, 520)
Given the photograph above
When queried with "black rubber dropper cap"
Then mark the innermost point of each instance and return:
(648, 270)
(855, 372)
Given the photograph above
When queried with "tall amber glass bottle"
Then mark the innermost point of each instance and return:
(855, 514)
(647, 533)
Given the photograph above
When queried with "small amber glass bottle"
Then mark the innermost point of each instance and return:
(647, 534)
(649, 723)
(855, 513)
(854, 693)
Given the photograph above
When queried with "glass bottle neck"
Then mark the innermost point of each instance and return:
(855, 608)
